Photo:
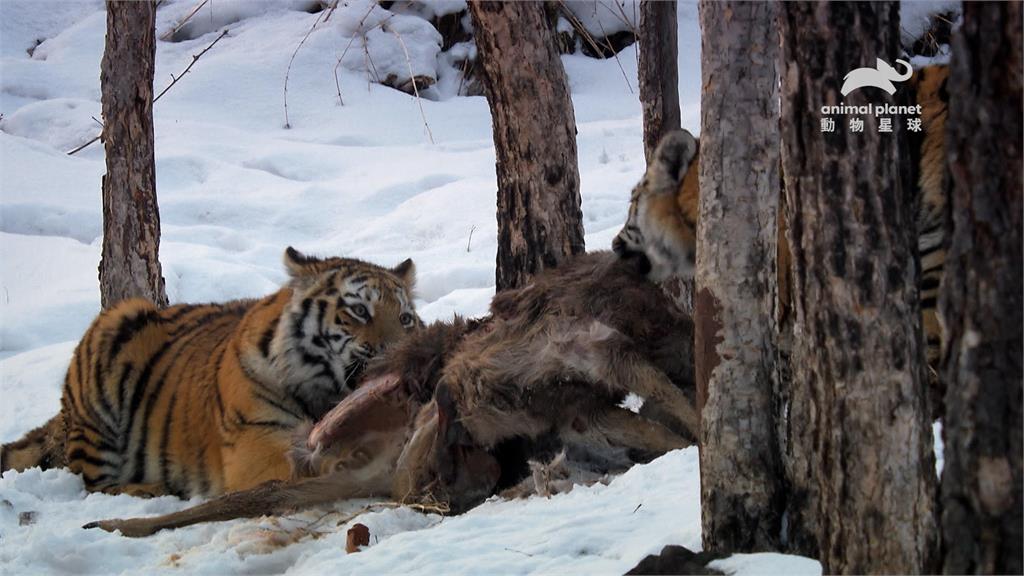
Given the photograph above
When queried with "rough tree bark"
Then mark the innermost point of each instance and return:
(741, 474)
(981, 303)
(130, 266)
(864, 430)
(539, 217)
(658, 71)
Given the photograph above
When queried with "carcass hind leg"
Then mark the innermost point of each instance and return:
(642, 437)
(602, 355)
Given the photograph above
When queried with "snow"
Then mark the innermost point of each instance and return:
(601, 18)
(766, 564)
(598, 529)
(916, 16)
(235, 188)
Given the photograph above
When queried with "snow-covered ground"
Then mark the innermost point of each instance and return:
(235, 188)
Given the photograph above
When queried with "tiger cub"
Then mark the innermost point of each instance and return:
(206, 399)
(664, 206)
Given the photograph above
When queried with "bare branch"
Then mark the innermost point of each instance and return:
(615, 54)
(412, 78)
(337, 82)
(195, 58)
(291, 60)
(174, 81)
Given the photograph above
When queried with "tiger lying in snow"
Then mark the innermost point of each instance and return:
(205, 399)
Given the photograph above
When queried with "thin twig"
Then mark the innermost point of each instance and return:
(519, 552)
(170, 33)
(174, 81)
(580, 29)
(195, 58)
(83, 146)
(622, 16)
(615, 54)
(337, 82)
(470, 241)
(330, 10)
(369, 62)
(288, 71)
(462, 78)
(412, 78)
(424, 507)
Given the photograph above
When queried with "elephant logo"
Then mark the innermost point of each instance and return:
(882, 76)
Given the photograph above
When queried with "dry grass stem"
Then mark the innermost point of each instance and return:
(288, 71)
(415, 88)
(615, 54)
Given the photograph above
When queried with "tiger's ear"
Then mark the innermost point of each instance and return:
(406, 272)
(671, 160)
(300, 267)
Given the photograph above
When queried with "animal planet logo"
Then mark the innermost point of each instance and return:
(881, 76)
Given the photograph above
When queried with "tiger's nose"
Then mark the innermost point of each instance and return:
(619, 246)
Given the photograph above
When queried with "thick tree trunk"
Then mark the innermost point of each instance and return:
(741, 480)
(130, 266)
(539, 217)
(658, 71)
(865, 437)
(981, 303)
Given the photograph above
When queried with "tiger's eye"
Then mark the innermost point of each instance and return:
(406, 319)
(360, 310)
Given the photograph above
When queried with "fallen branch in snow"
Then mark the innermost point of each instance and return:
(412, 78)
(519, 552)
(174, 80)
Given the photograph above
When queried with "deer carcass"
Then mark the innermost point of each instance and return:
(456, 411)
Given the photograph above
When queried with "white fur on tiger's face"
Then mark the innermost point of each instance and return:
(658, 230)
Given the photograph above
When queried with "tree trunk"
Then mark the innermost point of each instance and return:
(658, 71)
(130, 266)
(539, 217)
(736, 285)
(981, 303)
(858, 349)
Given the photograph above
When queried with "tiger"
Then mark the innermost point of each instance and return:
(662, 222)
(199, 400)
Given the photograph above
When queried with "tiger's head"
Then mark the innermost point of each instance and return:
(342, 313)
(661, 229)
